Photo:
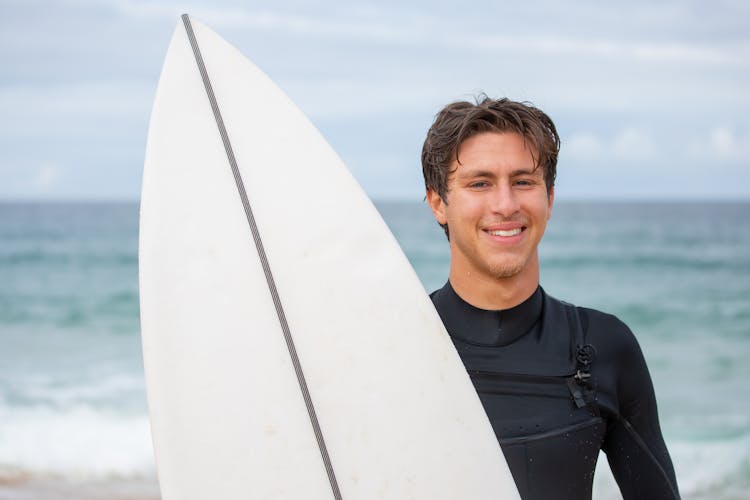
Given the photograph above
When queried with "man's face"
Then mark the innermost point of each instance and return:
(496, 207)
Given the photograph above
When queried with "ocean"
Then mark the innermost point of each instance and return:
(73, 416)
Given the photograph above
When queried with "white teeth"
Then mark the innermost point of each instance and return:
(511, 232)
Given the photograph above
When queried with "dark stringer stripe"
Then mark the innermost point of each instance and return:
(264, 261)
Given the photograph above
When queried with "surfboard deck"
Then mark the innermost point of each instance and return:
(290, 350)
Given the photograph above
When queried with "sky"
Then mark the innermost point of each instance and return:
(651, 98)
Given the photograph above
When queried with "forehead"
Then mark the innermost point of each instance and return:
(495, 150)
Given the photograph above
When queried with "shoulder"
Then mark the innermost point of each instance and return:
(603, 330)
(617, 349)
(620, 360)
(611, 337)
(608, 331)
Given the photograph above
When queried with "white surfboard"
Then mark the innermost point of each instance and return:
(290, 350)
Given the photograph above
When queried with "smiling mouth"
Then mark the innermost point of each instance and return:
(506, 233)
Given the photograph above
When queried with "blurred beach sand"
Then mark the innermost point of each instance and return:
(25, 487)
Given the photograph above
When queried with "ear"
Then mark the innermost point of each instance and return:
(550, 201)
(437, 205)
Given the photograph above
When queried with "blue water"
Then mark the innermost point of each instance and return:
(71, 383)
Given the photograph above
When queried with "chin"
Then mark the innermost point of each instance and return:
(507, 270)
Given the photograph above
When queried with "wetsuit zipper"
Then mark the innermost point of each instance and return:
(551, 433)
(550, 379)
(549, 385)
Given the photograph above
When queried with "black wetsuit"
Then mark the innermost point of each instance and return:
(559, 383)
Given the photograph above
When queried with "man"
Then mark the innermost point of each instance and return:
(558, 382)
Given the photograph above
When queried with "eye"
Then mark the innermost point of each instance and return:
(479, 184)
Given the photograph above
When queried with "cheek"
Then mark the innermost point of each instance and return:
(467, 207)
(541, 206)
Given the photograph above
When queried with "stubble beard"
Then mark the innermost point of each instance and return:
(505, 270)
(507, 267)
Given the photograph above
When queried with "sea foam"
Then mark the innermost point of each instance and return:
(75, 442)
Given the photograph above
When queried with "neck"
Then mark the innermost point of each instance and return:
(492, 293)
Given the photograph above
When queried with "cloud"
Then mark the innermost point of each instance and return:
(606, 49)
(583, 145)
(633, 143)
(107, 98)
(347, 98)
(634, 83)
(626, 144)
(325, 22)
(722, 144)
(72, 108)
(429, 30)
(46, 177)
(679, 164)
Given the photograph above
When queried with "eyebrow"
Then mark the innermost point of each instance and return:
(469, 174)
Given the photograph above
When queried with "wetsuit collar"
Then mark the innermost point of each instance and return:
(533, 335)
(488, 327)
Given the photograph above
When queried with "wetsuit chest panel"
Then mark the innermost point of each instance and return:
(522, 362)
(528, 408)
(551, 445)
(549, 441)
(559, 464)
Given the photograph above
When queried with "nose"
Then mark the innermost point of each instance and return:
(504, 200)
